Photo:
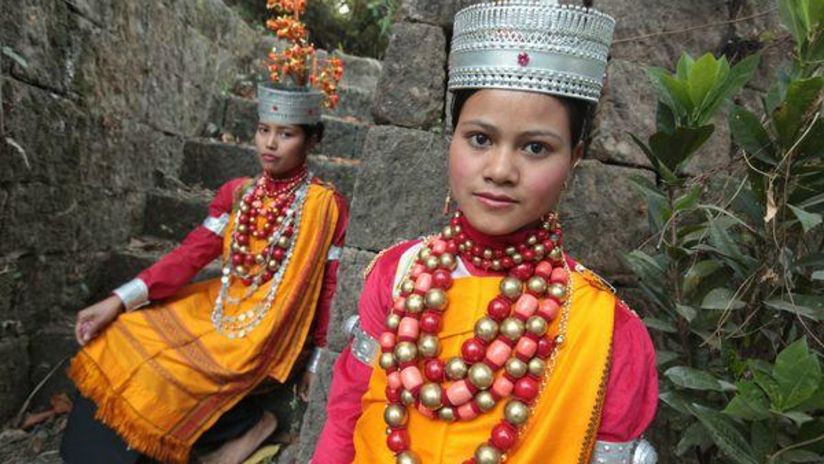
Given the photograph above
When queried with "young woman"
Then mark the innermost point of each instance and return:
(176, 373)
(486, 343)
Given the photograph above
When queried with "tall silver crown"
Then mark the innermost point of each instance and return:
(533, 45)
(298, 106)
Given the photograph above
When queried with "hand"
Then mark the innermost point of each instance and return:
(305, 385)
(95, 318)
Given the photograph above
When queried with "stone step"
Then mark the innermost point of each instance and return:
(343, 136)
(172, 214)
(210, 164)
(124, 263)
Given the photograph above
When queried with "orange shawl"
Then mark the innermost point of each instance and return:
(161, 376)
(565, 419)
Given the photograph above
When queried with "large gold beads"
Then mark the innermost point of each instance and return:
(536, 325)
(387, 361)
(557, 291)
(424, 253)
(481, 375)
(485, 401)
(392, 321)
(516, 368)
(448, 261)
(407, 457)
(455, 369)
(406, 352)
(395, 415)
(436, 299)
(511, 287)
(429, 346)
(407, 286)
(556, 254)
(512, 328)
(487, 454)
(431, 396)
(516, 412)
(283, 242)
(414, 303)
(486, 329)
(407, 397)
(536, 367)
(432, 262)
(536, 285)
(446, 414)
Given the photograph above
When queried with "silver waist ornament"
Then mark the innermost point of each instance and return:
(631, 452)
(240, 325)
(531, 45)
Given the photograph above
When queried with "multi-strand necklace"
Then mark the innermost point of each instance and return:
(268, 213)
(509, 358)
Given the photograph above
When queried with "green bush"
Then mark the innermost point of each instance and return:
(736, 272)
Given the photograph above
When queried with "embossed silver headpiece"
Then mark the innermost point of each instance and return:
(298, 106)
(533, 45)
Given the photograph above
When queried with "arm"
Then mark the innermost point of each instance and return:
(199, 248)
(632, 391)
(350, 376)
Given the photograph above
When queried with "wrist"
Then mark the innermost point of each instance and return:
(132, 295)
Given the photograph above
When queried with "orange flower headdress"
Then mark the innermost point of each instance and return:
(299, 88)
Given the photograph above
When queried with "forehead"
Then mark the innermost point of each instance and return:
(274, 126)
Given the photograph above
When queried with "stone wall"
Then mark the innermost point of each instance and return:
(400, 190)
(97, 99)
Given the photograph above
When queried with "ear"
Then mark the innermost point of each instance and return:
(577, 154)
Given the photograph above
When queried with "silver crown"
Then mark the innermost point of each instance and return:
(279, 106)
(532, 45)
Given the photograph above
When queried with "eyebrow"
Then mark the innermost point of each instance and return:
(533, 133)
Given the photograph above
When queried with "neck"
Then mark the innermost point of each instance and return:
(286, 176)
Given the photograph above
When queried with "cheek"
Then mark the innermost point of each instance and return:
(461, 167)
(545, 183)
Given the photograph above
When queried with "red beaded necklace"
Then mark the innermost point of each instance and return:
(510, 355)
(262, 210)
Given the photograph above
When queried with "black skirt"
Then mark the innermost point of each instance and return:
(88, 441)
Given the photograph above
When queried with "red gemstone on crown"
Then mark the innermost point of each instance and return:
(523, 59)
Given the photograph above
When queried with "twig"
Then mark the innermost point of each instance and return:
(693, 28)
(19, 419)
(20, 150)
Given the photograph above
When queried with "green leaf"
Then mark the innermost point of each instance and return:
(763, 439)
(688, 200)
(790, 115)
(808, 220)
(738, 76)
(799, 418)
(663, 357)
(797, 373)
(660, 325)
(675, 149)
(769, 385)
(674, 400)
(750, 135)
(682, 69)
(702, 78)
(698, 272)
(657, 205)
(724, 433)
(750, 403)
(811, 306)
(695, 436)
(671, 92)
(801, 455)
(792, 19)
(687, 312)
(721, 298)
(662, 170)
(693, 379)
(7, 51)
(817, 275)
(664, 118)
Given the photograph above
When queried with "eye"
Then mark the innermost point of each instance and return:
(536, 149)
(286, 134)
(478, 140)
(263, 129)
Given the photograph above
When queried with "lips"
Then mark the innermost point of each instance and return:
(268, 157)
(495, 200)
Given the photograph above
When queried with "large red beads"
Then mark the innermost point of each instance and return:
(473, 350)
(430, 322)
(498, 308)
(434, 370)
(504, 436)
(442, 279)
(526, 389)
(545, 347)
(398, 440)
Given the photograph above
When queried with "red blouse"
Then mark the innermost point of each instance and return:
(201, 246)
(632, 391)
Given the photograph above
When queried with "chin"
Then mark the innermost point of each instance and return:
(490, 224)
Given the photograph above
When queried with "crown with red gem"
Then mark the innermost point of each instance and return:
(532, 45)
(298, 89)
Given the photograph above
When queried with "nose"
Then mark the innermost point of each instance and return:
(500, 167)
(272, 141)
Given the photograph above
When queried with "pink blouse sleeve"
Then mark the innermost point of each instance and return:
(330, 274)
(632, 389)
(350, 376)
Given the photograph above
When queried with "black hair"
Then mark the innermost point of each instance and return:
(580, 114)
(313, 131)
